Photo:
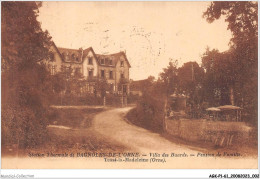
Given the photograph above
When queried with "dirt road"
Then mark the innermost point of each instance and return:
(112, 124)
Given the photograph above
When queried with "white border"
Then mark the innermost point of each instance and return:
(128, 173)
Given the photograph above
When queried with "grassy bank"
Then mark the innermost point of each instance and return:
(148, 114)
(73, 117)
(70, 130)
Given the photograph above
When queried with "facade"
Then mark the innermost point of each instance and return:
(113, 67)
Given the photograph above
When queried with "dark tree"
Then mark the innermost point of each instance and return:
(169, 77)
(24, 81)
(242, 18)
(190, 78)
(242, 58)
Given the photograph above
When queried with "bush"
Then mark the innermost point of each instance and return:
(23, 126)
(131, 99)
(148, 114)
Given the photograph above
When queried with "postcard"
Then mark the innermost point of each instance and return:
(129, 85)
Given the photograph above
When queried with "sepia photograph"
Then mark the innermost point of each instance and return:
(129, 85)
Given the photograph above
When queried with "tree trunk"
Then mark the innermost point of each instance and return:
(104, 101)
(165, 114)
(232, 100)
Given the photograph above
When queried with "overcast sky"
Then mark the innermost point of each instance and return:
(151, 33)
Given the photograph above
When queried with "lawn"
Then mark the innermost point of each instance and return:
(73, 117)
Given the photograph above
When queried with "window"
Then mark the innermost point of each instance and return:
(90, 61)
(52, 56)
(111, 74)
(67, 70)
(77, 71)
(110, 62)
(102, 73)
(122, 75)
(122, 63)
(102, 61)
(73, 56)
(53, 69)
(65, 56)
(90, 73)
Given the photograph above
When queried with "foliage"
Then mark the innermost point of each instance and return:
(191, 77)
(149, 112)
(24, 81)
(71, 88)
(101, 86)
(241, 61)
(219, 76)
(169, 77)
(242, 18)
(23, 41)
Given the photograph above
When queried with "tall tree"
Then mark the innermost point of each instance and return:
(190, 77)
(23, 41)
(219, 77)
(242, 19)
(23, 79)
(169, 77)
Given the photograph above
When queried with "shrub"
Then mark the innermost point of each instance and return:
(149, 113)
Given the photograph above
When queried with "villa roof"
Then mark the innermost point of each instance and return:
(114, 57)
(76, 55)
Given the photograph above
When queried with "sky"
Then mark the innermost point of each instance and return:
(150, 33)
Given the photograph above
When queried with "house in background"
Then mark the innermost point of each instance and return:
(137, 87)
(113, 67)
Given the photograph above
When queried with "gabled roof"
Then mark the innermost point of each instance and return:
(114, 57)
(86, 51)
(71, 55)
(76, 55)
(67, 50)
(56, 48)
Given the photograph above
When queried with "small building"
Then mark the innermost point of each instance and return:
(137, 87)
